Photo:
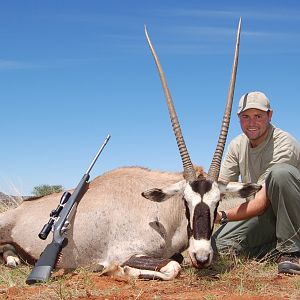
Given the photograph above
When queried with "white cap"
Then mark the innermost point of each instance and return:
(256, 100)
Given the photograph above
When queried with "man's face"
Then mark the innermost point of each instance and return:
(255, 124)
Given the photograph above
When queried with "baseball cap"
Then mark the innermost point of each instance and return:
(256, 100)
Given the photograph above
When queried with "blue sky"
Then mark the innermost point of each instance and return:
(73, 71)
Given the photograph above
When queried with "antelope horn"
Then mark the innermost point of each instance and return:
(189, 172)
(214, 169)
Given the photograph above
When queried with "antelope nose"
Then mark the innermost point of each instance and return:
(201, 262)
(203, 259)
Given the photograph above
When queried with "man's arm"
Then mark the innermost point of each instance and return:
(248, 209)
(230, 171)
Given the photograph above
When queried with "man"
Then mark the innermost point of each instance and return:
(269, 156)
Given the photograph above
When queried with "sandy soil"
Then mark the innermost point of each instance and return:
(84, 285)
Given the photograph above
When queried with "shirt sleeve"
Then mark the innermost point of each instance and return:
(230, 170)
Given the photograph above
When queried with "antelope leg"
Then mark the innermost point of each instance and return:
(146, 267)
(10, 255)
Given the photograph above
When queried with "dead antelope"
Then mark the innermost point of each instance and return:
(117, 231)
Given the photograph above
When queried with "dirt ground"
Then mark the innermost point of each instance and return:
(245, 282)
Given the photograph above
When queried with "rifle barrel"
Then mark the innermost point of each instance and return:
(97, 155)
(41, 272)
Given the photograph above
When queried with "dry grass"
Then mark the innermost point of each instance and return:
(227, 277)
(11, 203)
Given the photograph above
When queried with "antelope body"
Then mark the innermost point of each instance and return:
(116, 230)
(113, 222)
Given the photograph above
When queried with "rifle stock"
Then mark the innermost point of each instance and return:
(60, 220)
(46, 263)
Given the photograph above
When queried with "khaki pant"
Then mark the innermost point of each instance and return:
(277, 229)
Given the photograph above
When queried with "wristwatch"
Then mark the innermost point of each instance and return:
(224, 219)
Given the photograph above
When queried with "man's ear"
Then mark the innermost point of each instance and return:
(160, 195)
(270, 114)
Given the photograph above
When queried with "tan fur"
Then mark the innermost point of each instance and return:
(113, 221)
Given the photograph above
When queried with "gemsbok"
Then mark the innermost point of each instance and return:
(117, 231)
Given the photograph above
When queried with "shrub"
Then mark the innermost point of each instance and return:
(45, 189)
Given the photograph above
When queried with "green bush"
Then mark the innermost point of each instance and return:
(45, 189)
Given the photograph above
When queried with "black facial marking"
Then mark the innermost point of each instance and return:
(215, 212)
(201, 222)
(201, 186)
(187, 214)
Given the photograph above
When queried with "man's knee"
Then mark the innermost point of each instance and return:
(283, 184)
(280, 174)
(229, 238)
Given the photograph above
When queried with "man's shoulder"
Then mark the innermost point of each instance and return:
(278, 132)
(239, 140)
(281, 136)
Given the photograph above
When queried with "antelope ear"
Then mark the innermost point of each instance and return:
(160, 195)
(222, 186)
(238, 189)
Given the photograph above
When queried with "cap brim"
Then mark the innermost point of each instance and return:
(253, 105)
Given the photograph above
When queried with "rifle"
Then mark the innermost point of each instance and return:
(60, 223)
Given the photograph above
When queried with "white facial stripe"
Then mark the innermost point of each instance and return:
(192, 199)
